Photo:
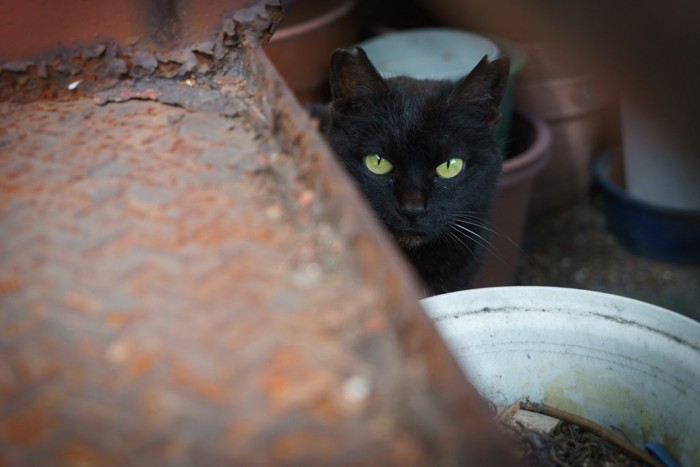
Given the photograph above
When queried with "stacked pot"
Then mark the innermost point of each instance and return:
(569, 100)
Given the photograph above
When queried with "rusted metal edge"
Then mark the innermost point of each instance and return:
(85, 69)
(468, 432)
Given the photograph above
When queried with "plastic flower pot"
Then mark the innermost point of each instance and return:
(646, 228)
(428, 53)
(526, 155)
(619, 362)
(518, 58)
(306, 38)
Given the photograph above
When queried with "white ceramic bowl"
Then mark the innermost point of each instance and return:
(430, 53)
(619, 362)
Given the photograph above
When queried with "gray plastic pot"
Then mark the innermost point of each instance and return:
(619, 362)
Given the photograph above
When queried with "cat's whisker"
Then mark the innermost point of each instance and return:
(473, 235)
(461, 244)
(477, 220)
(466, 223)
(480, 240)
(472, 218)
(461, 232)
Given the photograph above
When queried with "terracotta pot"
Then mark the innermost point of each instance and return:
(569, 102)
(305, 40)
(516, 20)
(531, 145)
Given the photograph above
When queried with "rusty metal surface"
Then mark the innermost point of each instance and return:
(186, 282)
(71, 57)
(309, 33)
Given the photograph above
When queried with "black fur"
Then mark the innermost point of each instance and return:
(441, 224)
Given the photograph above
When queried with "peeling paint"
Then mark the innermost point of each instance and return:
(102, 65)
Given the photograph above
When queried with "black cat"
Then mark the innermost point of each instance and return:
(424, 155)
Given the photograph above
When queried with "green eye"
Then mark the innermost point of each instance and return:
(450, 168)
(377, 164)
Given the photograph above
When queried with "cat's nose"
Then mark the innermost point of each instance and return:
(413, 211)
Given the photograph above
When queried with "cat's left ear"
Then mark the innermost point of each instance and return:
(352, 76)
(485, 85)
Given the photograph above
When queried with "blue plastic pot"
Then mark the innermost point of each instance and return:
(657, 232)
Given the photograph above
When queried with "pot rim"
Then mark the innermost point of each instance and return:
(515, 53)
(601, 171)
(561, 98)
(532, 160)
(315, 23)
(573, 80)
(518, 297)
(410, 40)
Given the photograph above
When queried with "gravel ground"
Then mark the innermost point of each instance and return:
(572, 248)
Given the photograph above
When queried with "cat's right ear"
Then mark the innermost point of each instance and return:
(353, 77)
(484, 87)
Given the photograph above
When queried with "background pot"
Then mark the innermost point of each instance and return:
(530, 147)
(428, 53)
(657, 171)
(648, 229)
(619, 362)
(569, 100)
(307, 36)
(518, 58)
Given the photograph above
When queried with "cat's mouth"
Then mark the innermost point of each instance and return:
(410, 239)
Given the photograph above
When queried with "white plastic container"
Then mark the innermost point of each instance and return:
(625, 364)
(429, 53)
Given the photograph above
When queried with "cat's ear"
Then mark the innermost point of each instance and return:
(484, 86)
(352, 76)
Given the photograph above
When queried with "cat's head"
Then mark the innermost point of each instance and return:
(422, 152)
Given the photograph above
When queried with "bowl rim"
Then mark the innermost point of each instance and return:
(686, 330)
